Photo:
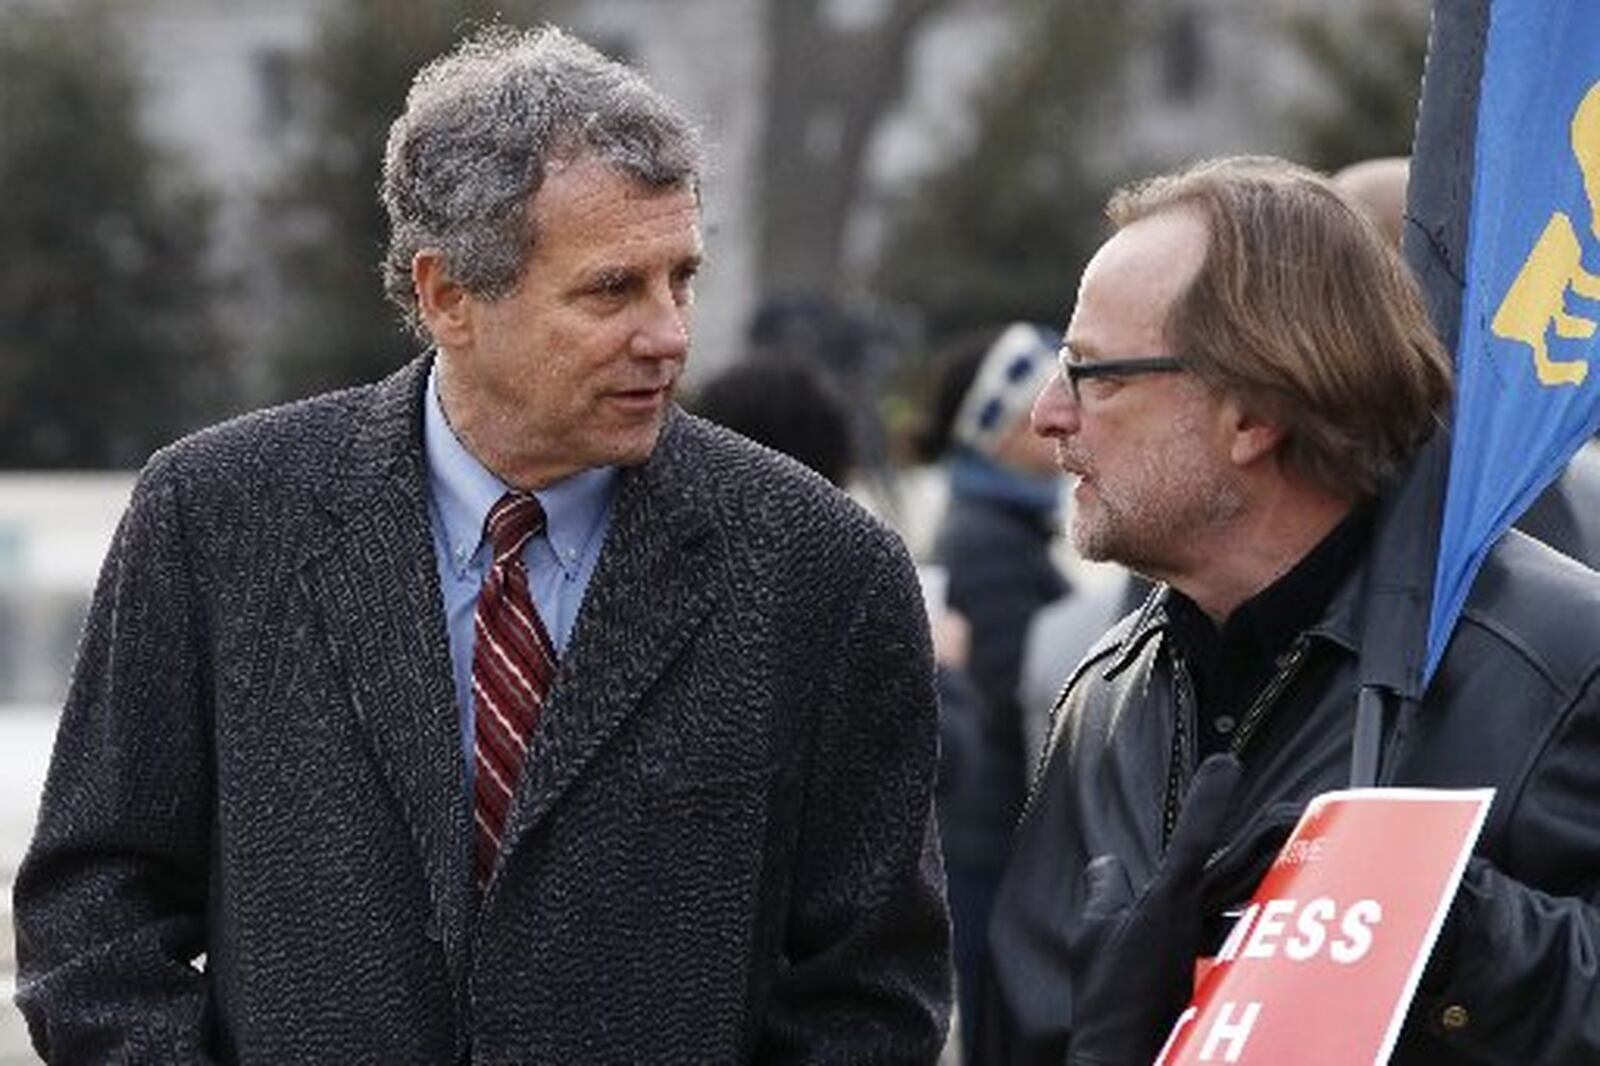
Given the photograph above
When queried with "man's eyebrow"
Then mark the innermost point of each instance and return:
(615, 274)
(1080, 351)
(608, 276)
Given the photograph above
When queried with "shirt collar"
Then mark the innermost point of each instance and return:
(1269, 620)
(1317, 595)
(464, 490)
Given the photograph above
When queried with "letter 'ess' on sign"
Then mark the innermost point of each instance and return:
(1322, 963)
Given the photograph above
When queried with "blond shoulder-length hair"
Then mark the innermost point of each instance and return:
(1304, 314)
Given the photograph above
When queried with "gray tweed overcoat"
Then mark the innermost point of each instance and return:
(721, 849)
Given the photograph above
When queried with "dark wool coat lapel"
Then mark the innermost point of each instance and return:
(373, 578)
(650, 592)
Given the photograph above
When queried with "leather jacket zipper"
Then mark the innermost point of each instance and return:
(1181, 762)
(1288, 666)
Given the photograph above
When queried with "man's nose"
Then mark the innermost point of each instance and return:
(663, 332)
(1055, 412)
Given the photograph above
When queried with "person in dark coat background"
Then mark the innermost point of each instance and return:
(500, 711)
(994, 541)
(787, 405)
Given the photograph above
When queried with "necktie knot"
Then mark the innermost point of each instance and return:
(514, 518)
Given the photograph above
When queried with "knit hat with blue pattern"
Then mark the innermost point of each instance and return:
(1019, 362)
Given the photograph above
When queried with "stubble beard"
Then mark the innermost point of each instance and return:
(1149, 518)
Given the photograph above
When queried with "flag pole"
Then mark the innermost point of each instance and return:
(1434, 246)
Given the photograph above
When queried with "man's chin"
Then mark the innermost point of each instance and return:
(1102, 542)
(1095, 553)
(1089, 541)
(638, 444)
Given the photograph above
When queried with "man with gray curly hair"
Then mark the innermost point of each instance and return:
(498, 711)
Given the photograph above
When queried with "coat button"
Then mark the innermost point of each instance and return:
(1454, 1017)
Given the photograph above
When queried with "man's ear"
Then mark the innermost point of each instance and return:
(1251, 436)
(445, 306)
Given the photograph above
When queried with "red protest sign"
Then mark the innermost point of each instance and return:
(1322, 965)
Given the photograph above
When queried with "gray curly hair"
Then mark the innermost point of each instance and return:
(481, 126)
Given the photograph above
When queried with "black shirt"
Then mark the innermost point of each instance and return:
(1230, 666)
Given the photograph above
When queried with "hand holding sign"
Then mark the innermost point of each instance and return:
(1133, 956)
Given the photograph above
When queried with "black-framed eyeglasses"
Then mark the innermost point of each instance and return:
(1074, 371)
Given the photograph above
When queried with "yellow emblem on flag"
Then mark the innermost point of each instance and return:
(1536, 299)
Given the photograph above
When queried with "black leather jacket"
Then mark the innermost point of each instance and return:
(1515, 705)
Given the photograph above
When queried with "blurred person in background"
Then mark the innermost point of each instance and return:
(788, 406)
(498, 711)
(994, 541)
(1062, 633)
(1378, 187)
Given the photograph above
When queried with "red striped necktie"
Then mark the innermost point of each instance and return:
(513, 666)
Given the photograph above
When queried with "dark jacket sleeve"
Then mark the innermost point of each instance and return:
(867, 966)
(1525, 985)
(110, 900)
(1521, 965)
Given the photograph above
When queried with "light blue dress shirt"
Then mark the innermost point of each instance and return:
(560, 561)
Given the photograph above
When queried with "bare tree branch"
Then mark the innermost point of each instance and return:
(827, 91)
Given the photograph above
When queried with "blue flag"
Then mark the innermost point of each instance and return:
(1528, 394)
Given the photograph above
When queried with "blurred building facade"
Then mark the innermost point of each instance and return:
(221, 86)
(54, 532)
(222, 90)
